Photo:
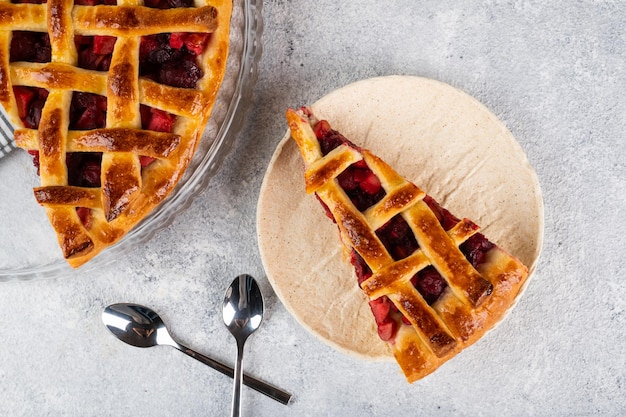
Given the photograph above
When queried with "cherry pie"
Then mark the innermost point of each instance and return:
(111, 98)
(435, 284)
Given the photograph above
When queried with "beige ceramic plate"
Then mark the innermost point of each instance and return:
(438, 137)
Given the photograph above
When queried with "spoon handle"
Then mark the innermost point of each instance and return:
(250, 381)
(236, 408)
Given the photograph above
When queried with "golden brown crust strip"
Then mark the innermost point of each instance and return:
(391, 276)
(72, 237)
(329, 167)
(122, 85)
(141, 142)
(465, 281)
(392, 204)
(68, 196)
(429, 326)
(138, 21)
(121, 182)
(31, 17)
(60, 30)
(54, 75)
(52, 134)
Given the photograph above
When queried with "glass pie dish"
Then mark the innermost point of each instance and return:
(29, 247)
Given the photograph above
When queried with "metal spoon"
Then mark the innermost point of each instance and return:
(242, 312)
(142, 327)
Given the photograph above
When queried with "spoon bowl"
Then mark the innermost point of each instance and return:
(142, 327)
(242, 312)
(136, 325)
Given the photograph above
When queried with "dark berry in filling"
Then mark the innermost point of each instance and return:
(475, 249)
(95, 2)
(329, 139)
(94, 52)
(83, 168)
(168, 4)
(363, 271)
(157, 120)
(171, 59)
(358, 181)
(446, 219)
(30, 102)
(397, 237)
(184, 74)
(88, 111)
(30, 47)
(429, 283)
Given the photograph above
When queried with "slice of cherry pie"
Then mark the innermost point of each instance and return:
(435, 284)
(111, 98)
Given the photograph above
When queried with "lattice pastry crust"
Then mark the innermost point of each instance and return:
(128, 192)
(475, 298)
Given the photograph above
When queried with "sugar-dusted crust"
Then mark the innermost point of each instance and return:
(128, 192)
(475, 299)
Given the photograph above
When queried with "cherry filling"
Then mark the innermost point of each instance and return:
(364, 189)
(168, 4)
(29, 1)
(397, 237)
(171, 58)
(30, 102)
(30, 47)
(95, 2)
(88, 111)
(358, 181)
(94, 52)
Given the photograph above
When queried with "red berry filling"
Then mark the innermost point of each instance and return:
(35, 155)
(429, 283)
(475, 249)
(171, 59)
(84, 214)
(83, 168)
(397, 237)
(30, 47)
(167, 4)
(95, 2)
(382, 308)
(94, 52)
(157, 120)
(87, 111)
(30, 102)
(358, 181)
